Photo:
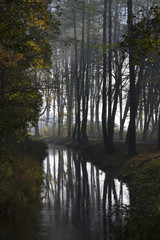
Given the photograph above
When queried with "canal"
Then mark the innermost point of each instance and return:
(79, 202)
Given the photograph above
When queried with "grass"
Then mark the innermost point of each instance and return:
(94, 151)
(143, 175)
(21, 175)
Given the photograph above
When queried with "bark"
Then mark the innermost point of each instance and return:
(76, 133)
(122, 119)
(138, 90)
(37, 130)
(69, 92)
(148, 110)
(92, 103)
(2, 92)
(154, 128)
(104, 99)
(110, 146)
(158, 146)
(98, 85)
(54, 116)
(47, 104)
(86, 91)
(59, 115)
(132, 130)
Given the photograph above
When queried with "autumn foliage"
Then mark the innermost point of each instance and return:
(24, 50)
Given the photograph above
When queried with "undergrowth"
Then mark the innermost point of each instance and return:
(21, 175)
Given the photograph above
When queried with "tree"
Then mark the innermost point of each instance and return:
(24, 48)
(143, 41)
(132, 129)
(105, 136)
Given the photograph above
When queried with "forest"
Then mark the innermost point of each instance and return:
(79, 72)
(104, 75)
(90, 70)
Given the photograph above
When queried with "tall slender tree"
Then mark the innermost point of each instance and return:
(132, 129)
(104, 99)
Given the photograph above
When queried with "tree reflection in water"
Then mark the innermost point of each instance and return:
(83, 196)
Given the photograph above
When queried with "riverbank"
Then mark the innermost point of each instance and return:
(119, 162)
(144, 167)
(21, 175)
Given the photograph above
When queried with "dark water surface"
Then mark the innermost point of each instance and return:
(77, 201)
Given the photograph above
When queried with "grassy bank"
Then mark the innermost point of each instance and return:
(21, 175)
(118, 162)
(143, 175)
(138, 170)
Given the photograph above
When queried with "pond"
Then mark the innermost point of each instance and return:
(78, 202)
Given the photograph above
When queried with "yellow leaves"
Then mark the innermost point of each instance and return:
(34, 46)
(38, 63)
(47, 66)
(31, 43)
(36, 22)
(20, 34)
(38, 19)
(14, 96)
(38, 60)
(9, 57)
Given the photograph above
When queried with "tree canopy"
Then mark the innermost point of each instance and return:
(144, 35)
(24, 49)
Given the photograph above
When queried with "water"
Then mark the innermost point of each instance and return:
(78, 200)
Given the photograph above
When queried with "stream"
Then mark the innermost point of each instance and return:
(77, 202)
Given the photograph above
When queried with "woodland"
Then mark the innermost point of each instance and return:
(79, 70)
(104, 77)
(84, 68)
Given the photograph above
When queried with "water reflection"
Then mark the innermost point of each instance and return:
(82, 197)
(78, 203)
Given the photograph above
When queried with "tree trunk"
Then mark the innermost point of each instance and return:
(158, 146)
(86, 92)
(92, 103)
(132, 131)
(97, 100)
(54, 116)
(104, 99)
(138, 90)
(2, 106)
(110, 146)
(69, 92)
(76, 132)
(37, 130)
